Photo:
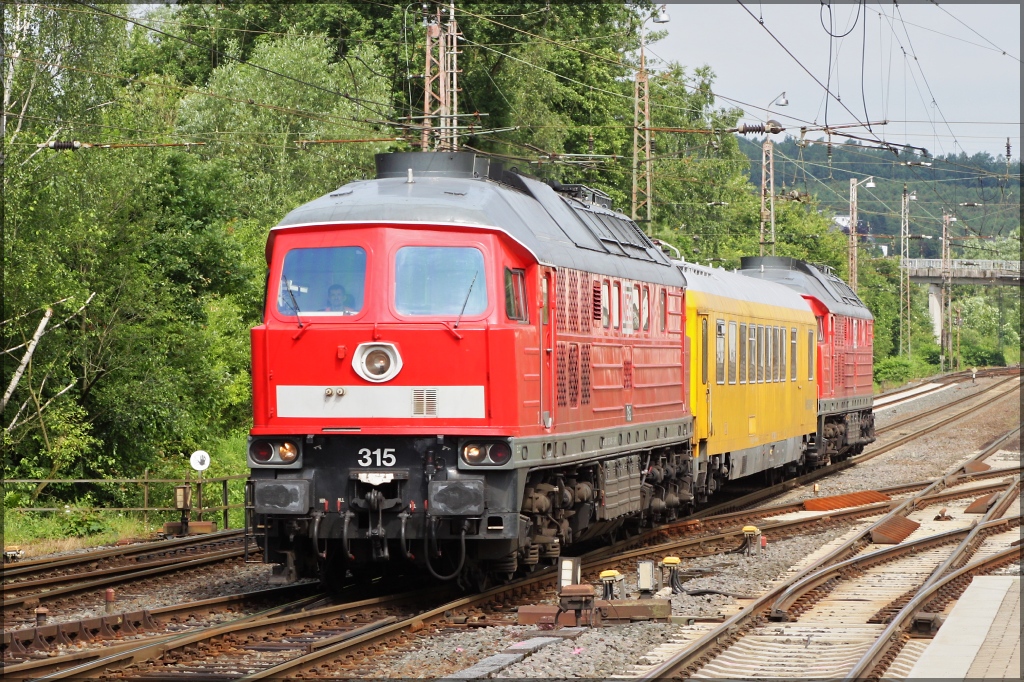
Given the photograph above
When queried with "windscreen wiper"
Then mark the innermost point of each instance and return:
(464, 303)
(295, 304)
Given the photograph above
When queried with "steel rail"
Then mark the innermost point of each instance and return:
(265, 619)
(927, 413)
(213, 557)
(151, 547)
(702, 646)
(54, 663)
(867, 666)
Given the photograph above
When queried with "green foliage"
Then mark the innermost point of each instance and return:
(893, 370)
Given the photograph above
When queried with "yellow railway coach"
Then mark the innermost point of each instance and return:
(752, 388)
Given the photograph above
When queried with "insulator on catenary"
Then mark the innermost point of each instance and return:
(62, 145)
(771, 126)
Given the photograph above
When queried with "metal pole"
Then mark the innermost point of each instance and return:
(224, 501)
(904, 274)
(145, 498)
(771, 187)
(853, 235)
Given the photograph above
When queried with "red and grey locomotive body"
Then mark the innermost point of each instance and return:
(845, 335)
(462, 367)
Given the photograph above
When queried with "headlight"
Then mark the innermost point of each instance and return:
(261, 451)
(474, 454)
(377, 362)
(287, 451)
(486, 454)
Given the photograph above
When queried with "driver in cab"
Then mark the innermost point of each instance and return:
(338, 300)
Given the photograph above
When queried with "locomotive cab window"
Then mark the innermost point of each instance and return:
(440, 280)
(322, 282)
(515, 295)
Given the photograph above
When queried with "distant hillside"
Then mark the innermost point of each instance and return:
(946, 183)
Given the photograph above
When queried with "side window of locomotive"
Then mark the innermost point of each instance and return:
(440, 280)
(515, 295)
(720, 351)
(743, 353)
(792, 354)
(616, 301)
(635, 307)
(810, 356)
(606, 299)
(854, 333)
(663, 310)
(645, 309)
(821, 328)
(732, 352)
(322, 282)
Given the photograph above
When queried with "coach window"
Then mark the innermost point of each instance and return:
(645, 309)
(515, 295)
(605, 302)
(732, 352)
(704, 350)
(810, 356)
(720, 351)
(780, 355)
(760, 353)
(662, 310)
(743, 353)
(792, 354)
(322, 282)
(752, 355)
(616, 301)
(769, 349)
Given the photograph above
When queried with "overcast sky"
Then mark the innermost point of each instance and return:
(961, 93)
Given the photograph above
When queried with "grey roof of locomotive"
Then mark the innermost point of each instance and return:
(819, 282)
(463, 189)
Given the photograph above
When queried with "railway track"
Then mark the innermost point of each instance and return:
(837, 617)
(345, 641)
(33, 583)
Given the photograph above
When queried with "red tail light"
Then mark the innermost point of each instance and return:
(261, 451)
(500, 453)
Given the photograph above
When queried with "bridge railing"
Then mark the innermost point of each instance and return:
(961, 264)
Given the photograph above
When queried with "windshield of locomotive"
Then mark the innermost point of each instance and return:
(440, 280)
(322, 282)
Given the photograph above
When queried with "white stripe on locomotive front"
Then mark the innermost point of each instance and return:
(380, 402)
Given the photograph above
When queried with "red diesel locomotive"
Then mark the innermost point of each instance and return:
(469, 369)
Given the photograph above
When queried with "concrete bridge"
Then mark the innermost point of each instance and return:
(963, 271)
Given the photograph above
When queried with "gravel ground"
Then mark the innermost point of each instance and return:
(594, 654)
(932, 400)
(449, 652)
(1012, 569)
(928, 456)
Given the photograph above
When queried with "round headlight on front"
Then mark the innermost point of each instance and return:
(261, 451)
(499, 453)
(377, 362)
(473, 453)
(287, 452)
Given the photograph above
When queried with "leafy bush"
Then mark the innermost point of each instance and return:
(893, 370)
(80, 523)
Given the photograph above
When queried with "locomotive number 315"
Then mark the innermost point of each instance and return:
(381, 457)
